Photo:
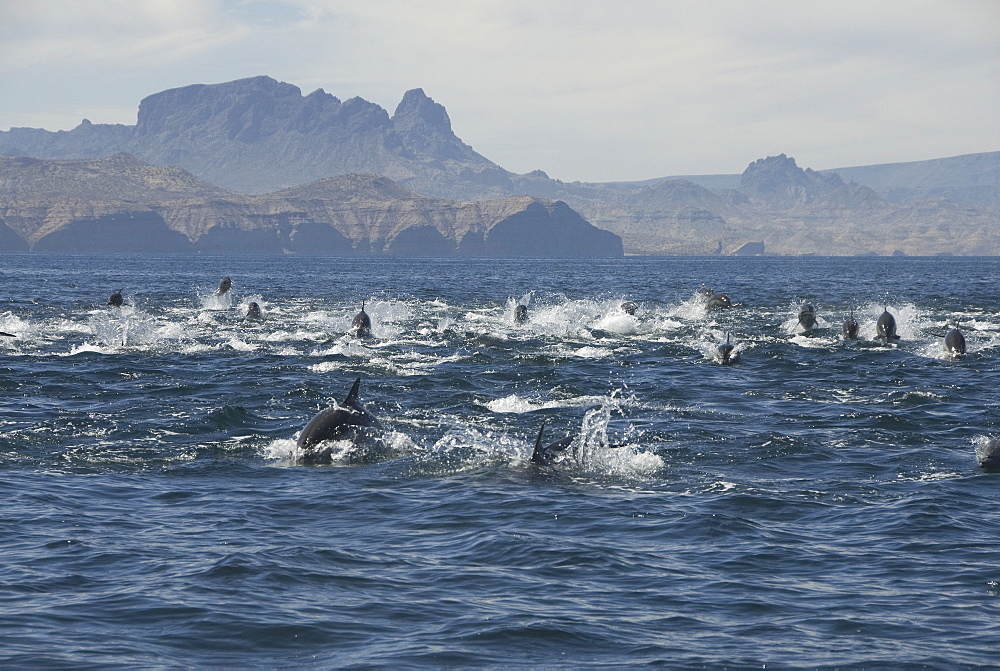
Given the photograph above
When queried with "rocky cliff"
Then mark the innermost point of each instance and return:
(122, 204)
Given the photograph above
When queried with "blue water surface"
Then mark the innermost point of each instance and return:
(817, 504)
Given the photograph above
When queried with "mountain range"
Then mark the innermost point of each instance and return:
(122, 204)
(256, 141)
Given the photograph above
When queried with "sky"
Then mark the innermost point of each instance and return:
(587, 90)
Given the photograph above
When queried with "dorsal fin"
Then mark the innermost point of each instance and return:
(352, 395)
(362, 305)
(538, 441)
(727, 338)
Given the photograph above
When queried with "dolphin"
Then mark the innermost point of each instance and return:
(361, 327)
(724, 352)
(4, 334)
(545, 455)
(807, 317)
(851, 327)
(719, 302)
(703, 292)
(954, 344)
(345, 421)
(116, 298)
(224, 285)
(520, 314)
(629, 307)
(253, 311)
(886, 327)
(989, 455)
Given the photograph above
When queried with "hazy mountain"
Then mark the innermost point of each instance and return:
(970, 179)
(259, 135)
(256, 135)
(122, 204)
(783, 209)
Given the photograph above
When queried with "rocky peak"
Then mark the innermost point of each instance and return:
(425, 129)
(772, 171)
(418, 112)
(777, 180)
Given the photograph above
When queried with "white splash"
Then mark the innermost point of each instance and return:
(594, 452)
(517, 404)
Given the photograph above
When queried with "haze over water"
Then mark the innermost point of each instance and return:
(817, 504)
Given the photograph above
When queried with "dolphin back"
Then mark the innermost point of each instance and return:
(335, 423)
(347, 421)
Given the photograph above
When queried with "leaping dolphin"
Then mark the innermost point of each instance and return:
(520, 314)
(253, 310)
(116, 298)
(989, 455)
(851, 327)
(545, 455)
(885, 327)
(807, 317)
(703, 292)
(724, 352)
(361, 327)
(224, 285)
(630, 307)
(719, 302)
(344, 421)
(954, 344)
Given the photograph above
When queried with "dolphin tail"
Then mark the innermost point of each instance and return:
(352, 395)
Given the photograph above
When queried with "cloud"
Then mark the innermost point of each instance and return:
(113, 33)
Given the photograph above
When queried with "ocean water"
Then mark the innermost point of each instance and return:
(817, 504)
